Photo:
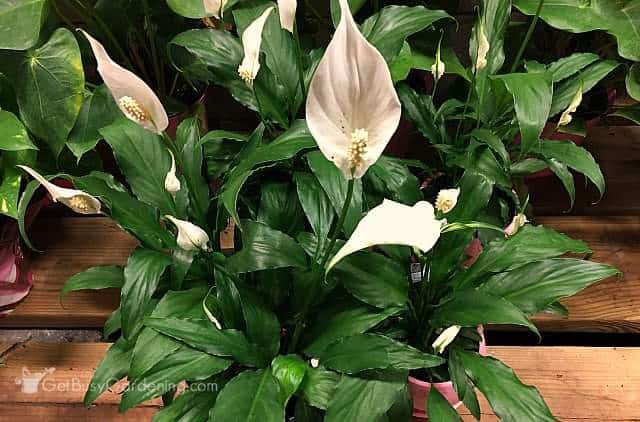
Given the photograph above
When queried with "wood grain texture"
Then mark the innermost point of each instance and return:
(578, 383)
(70, 245)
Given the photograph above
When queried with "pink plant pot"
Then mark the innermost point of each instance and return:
(420, 389)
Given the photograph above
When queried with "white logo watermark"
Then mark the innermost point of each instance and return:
(30, 381)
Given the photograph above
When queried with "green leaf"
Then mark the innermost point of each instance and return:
(470, 308)
(25, 199)
(510, 399)
(632, 82)
(365, 397)
(318, 386)
(193, 9)
(183, 364)
(98, 110)
(369, 351)
(188, 138)
(537, 285)
(577, 158)
(204, 336)
(265, 248)
(620, 19)
(220, 149)
(335, 186)
(252, 396)
(374, 279)
(263, 327)
(190, 406)
(488, 137)
(95, 278)
(631, 113)
(297, 138)
(112, 324)
(532, 95)
(419, 108)
(409, 59)
(482, 161)
(528, 166)
(439, 408)
(388, 29)
(212, 55)
(111, 369)
(11, 177)
(289, 370)
(49, 85)
(280, 208)
(393, 179)
(13, 135)
(315, 203)
(20, 23)
(530, 244)
(342, 320)
(570, 65)
(562, 171)
(141, 277)
(461, 382)
(334, 5)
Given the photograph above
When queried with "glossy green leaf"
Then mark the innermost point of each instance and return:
(528, 166)
(188, 139)
(13, 135)
(631, 113)
(362, 352)
(632, 81)
(537, 285)
(419, 108)
(318, 386)
(510, 399)
(95, 278)
(252, 396)
(190, 406)
(482, 161)
(470, 308)
(532, 95)
(49, 85)
(20, 22)
(262, 325)
(193, 9)
(408, 59)
(393, 179)
(23, 204)
(388, 29)
(112, 368)
(488, 137)
(464, 387)
(570, 65)
(141, 277)
(280, 208)
(315, 203)
(10, 186)
(439, 408)
(289, 370)
(220, 149)
(562, 171)
(620, 19)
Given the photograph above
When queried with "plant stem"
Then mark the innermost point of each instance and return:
(527, 37)
(303, 88)
(336, 229)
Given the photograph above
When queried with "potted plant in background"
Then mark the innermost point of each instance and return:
(313, 315)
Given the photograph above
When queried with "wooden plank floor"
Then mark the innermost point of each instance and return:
(586, 384)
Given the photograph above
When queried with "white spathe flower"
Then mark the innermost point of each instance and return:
(393, 223)
(251, 42)
(445, 338)
(352, 108)
(315, 362)
(79, 201)
(483, 49)
(214, 7)
(287, 12)
(210, 316)
(190, 236)
(437, 68)
(171, 181)
(447, 200)
(135, 99)
(567, 115)
(518, 221)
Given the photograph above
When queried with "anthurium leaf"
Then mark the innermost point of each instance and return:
(20, 23)
(575, 157)
(365, 397)
(388, 29)
(470, 308)
(183, 364)
(564, 92)
(370, 351)
(190, 406)
(318, 386)
(562, 171)
(532, 95)
(570, 65)
(335, 186)
(315, 203)
(374, 279)
(537, 285)
(98, 110)
(342, 320)
(289, 370)
(531, 243)
(111, 369)
(252, 396)
(393, 179)
(95, 278)
(142, 220)
(510, 399)
(265, 248)
(13, 135)
(141, 277)
(212, 55)
(49, 85)
(204, 336)
(439, 408)
(632, 82)
(619, 19)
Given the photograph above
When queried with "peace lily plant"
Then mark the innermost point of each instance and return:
(346, 273)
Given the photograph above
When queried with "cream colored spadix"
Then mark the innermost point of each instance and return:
(190, 236)
(393, 223)
(214, 7)
(134, 97)
(483, 49)
(251, 42)
(352, 108)
(79, 201)
(567, 115)
(171, 181)
(447, 200)
(287, 12)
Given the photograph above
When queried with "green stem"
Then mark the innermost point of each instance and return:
(527, 37)
(303, 88)
(336, 229)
